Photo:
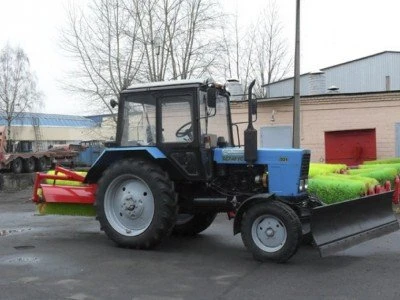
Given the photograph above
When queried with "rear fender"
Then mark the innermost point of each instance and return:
(246, 205)
(111, 155)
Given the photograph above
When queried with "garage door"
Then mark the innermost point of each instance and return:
(350, 147)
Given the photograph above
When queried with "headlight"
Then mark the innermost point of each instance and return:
(306, 184)
(301, 185)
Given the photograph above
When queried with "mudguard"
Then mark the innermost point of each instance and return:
(245, 205)
(110, 155)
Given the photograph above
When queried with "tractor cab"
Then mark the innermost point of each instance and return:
(185, 120)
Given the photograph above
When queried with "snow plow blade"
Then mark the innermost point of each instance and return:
(340, 226)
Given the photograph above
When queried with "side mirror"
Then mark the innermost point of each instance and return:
(113, 103)
(212, 97)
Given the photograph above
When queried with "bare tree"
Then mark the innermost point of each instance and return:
(103, 39)
(177, 36)
(18, 85)
(195, 47)
(272, 61)
(258, 50)
(118, 42)
(151, 17)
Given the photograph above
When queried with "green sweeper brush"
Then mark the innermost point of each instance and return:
(323, 169)
(395, 160)
(333, 190)
(383, 175)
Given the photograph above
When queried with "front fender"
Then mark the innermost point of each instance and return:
(111, 155)
(246, 204)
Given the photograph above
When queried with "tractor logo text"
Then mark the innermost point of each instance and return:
(232, 155)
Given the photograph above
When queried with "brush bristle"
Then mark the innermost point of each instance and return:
(68, 209)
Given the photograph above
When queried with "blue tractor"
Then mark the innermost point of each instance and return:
(175, 166)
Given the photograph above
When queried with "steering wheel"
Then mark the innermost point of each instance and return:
(181, 132)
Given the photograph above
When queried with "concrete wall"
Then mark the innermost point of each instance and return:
(319, 114)
(13, 182)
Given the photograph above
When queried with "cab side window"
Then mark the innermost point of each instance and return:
(176, 119)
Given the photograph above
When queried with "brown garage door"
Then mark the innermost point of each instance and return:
(350, 147)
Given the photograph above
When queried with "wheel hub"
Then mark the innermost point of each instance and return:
(269, 232)
(132, 207)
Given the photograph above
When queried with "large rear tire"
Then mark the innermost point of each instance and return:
(271, 231)
(136, 204)
(192, 224)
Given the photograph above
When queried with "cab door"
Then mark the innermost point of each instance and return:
(178, 132)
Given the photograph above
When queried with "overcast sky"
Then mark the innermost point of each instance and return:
(332, 32)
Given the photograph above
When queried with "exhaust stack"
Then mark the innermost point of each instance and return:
(250, 134)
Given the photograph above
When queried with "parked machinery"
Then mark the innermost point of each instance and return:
(176, 166)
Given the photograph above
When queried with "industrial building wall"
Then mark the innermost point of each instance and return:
(375, 73)
(320, 114)
(379, 72)
(55, 135)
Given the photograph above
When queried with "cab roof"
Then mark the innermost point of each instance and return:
(172, 84)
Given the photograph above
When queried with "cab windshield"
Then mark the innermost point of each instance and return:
(138, 127)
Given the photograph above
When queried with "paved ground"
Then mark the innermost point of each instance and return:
(54, 257)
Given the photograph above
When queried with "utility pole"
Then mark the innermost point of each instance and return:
(296, 100)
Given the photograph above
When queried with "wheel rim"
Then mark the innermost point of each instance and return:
(129, 205)
(269, 233)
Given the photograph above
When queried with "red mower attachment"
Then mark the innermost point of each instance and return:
(61, 192)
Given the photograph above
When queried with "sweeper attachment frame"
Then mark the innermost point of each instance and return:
(176, 165)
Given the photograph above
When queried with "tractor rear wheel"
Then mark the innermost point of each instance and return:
(271, 231)
(192, 224)
(136, 203)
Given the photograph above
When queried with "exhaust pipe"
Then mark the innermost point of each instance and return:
(250, 134)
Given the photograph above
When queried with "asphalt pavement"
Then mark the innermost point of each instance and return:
(59, 257)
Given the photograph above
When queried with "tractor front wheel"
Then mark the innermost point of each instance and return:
(136, 204)
(192, 224)
(271, 231)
